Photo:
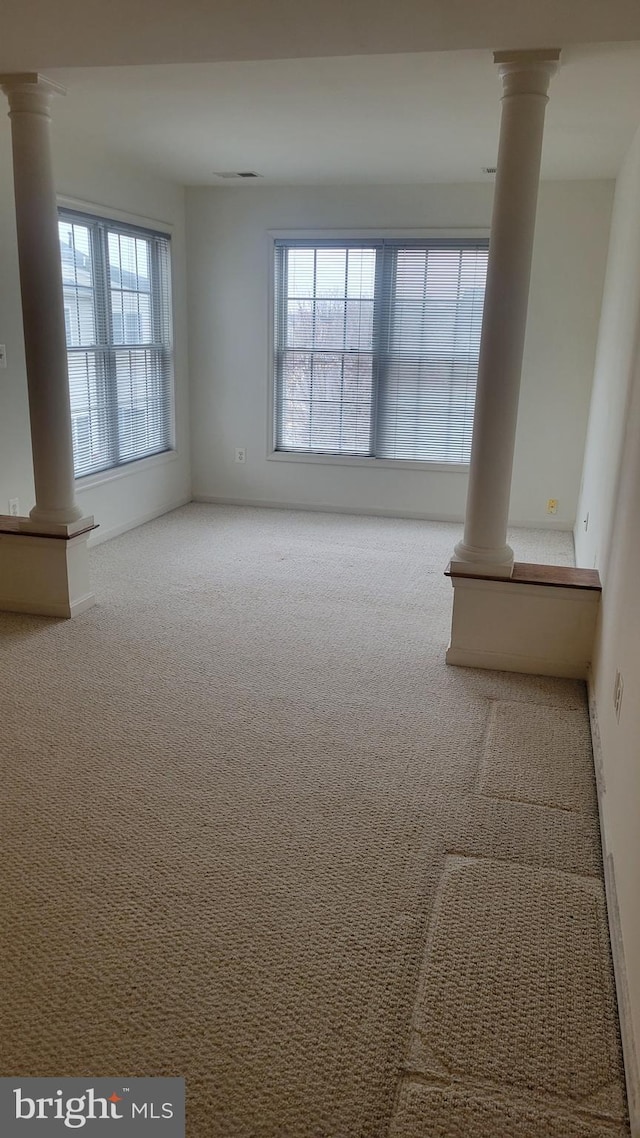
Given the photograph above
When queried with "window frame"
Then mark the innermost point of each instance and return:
(155, 226)
(346, 235)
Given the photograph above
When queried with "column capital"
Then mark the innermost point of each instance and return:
(527, 72)
(29, 91)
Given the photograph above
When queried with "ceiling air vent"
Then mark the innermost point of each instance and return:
(236, 174)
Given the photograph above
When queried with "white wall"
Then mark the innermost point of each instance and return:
(611, 497)
(141, 491)
(228, 247)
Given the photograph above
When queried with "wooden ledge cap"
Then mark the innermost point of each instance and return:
(556, 576)
(15, 531)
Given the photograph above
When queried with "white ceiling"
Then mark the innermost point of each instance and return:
(363, 119)
(38, 34)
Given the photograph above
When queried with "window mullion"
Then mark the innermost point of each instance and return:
(105, 337)
(160, 334)
(383, 293)
(454, 363)
(313, 343)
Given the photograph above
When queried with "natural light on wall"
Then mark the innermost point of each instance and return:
(376, 347)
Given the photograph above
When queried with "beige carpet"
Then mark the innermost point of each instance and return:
(256, 833)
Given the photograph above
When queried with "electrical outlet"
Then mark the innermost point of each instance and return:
(618, 689)
(241, 454)
(552, 506)
(3, 356)
(14, 507)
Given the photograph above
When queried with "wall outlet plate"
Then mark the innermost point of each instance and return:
(241, 454)
(14, 507)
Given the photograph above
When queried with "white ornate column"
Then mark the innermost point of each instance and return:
(525, 77)
(44, 564)
(30, 98)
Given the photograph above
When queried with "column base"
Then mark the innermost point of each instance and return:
(45, 518)
(541, 620)
(474, 562)
(45, 573)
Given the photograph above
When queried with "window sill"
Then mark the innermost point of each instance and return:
(114, 473)
(357, 461)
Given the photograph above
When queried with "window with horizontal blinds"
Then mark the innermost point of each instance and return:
(376, 346)
(117, 307)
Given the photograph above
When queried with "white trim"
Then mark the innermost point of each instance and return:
(379, 234)
(109, 213)
(509, 662)
(101, 535)
(270, 355)
(629, 1050)
(55, 609)
(364, 511)
(173, 408)
(542, 523)
(327, 508)
(82, 604)
(366, 460)
(162, 228)
(126, 470)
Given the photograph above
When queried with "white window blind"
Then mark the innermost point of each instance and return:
(117, 301)
(376, 346)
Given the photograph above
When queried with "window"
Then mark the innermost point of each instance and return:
(376, 346)
(116, 282)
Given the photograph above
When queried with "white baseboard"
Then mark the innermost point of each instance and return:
(101, 534)
(61, 611)
(326, 508)
(508, 662)
(82, 604)
(629, 1050)
(369, 512)
(542, 523)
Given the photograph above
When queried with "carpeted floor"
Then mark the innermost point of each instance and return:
(256, 833)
